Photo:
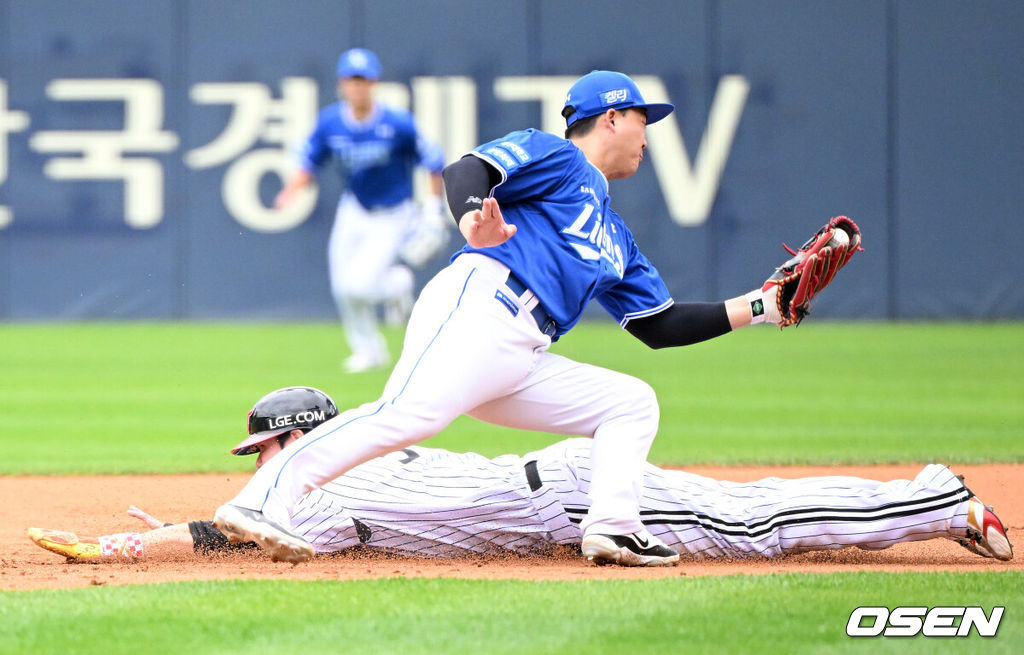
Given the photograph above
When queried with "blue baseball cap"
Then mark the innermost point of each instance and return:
(359, 62)
(598, 91)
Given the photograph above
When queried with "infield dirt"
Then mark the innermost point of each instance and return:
(96, 505)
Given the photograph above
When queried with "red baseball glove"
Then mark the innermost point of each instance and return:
(812, 267)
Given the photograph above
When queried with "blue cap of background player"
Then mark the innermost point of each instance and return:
(598, 91)
(359, 62)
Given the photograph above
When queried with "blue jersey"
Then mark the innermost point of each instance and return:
(377, 155)
(569, 246)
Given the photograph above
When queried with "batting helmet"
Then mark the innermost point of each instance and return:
(284, 410)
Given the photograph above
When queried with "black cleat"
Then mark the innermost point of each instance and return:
(637, 549)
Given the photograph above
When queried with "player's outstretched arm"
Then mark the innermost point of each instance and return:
(164, 542)
(687, 323)
(783, 300)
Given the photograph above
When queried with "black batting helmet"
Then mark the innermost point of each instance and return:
(284, 410)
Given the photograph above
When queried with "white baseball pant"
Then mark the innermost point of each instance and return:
(362, 256)
(466, 353)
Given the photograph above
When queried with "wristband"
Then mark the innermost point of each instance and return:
(755, 300)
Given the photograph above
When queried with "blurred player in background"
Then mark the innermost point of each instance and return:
(377, 148)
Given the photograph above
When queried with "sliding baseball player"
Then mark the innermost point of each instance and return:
(435, 503)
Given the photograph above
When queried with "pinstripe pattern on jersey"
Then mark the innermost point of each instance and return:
(313, 438)
(791, 517)
(432, 502)
(774, 516)
(435, 504)
(707, 517)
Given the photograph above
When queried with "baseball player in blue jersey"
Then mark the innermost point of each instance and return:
(542, 241)
(431, 502)
(377, 148)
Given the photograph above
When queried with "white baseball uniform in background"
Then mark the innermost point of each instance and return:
(365, 272)
(432, 502)
(376, 215)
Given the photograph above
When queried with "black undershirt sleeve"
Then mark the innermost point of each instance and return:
(681, 324)
(467, 182)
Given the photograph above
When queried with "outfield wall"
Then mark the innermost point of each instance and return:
(141, 143)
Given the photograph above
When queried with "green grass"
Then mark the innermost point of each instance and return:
(148, 398)
(122, 397)
(733, 614)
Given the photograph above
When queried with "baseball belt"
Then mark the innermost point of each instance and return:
(545, 323)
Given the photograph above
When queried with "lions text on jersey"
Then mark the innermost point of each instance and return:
(570, 245)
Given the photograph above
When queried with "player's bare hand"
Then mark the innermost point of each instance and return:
(296, 184)
(486, 227)
(285, 198)
(145, 518)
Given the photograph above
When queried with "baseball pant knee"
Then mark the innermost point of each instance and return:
(638, 403)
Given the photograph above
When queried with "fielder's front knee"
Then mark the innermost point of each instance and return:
(638, 400)
(641, 394)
